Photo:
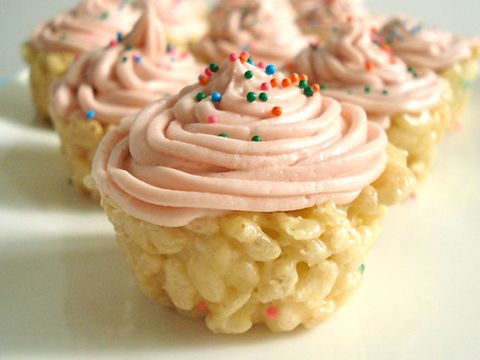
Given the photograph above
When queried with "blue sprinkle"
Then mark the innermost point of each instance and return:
(393, 32)
(91, 114)
(270, 69)
(416, 29)
(250, 61)
(138, 58)
(119, 37)
(216, 97)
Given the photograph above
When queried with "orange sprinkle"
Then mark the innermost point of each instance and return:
(274, 82)
(369, 65)
(316, 87)
(304, 77)
(243, 59)
(294, 77)
(203, 80)
(286, 82)
(277, 111)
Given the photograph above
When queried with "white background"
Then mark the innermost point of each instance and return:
(65, 290)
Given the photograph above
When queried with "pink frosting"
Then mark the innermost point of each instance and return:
(184, 19)
(90, 25)
(354, 66)
(120, 79)
(168, 165)
(265, 28)
(424, 47)
(328, 14)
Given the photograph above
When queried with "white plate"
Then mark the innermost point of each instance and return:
(65, 289)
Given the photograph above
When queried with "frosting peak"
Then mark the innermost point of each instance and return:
(265, 28)
(149, 33)
(238, 143)
(356, 66)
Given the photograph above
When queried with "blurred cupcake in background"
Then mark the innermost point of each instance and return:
(185, 20)
(453, 58)
(108, 84)
(55, 43)
(321, 17)
(241, 201)
(355, 66)
(264, 28)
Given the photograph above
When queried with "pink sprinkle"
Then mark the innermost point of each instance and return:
(261, 65)
(245, 54)
(213, 119)
(265, 86)
(272, 312)
(233, 57)
(202, 307)
(208, 72)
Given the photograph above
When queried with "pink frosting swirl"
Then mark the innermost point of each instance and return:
(113, 82)
(424, 47)
(325, 15)
(184, 19)
(265, 28)
(354, 66)
(90, 25)
(168, 165)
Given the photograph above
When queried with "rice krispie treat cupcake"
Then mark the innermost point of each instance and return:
(241, 201)
(108, 84)
(264, 28)
(323, 18)
(355, 66)
(453, 58)
(55, 43)
(185, 20)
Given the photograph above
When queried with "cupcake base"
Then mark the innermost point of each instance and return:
(419, 135)
(79, 140)
(281, 269)
(45, 68)
(460, 77)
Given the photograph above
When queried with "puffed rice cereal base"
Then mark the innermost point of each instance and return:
(419, 134)
(79, 140)
(45, 68)
(282, 269)
(460, 77)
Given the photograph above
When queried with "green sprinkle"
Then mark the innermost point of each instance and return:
(362, 269)
(223, 135)
(248, 74)
(308, 91)
(323, 86)
(129, 47)
(201, 96)
(263, 97)
(256, 138)
(124, 59)
(251, 97)
(385, 92)
(104, 15)
(367, 89)
(303, 84)
(213, 67)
